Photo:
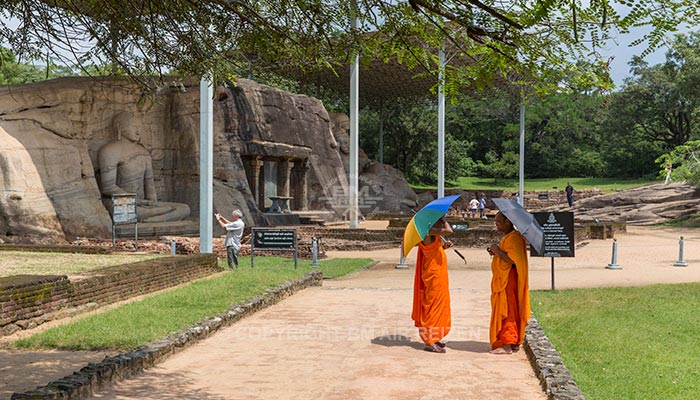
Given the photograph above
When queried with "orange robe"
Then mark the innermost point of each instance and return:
(510, 296)
(431, 293)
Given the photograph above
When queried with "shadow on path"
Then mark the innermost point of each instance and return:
(469, 345)
(397, 340)
(179, 385)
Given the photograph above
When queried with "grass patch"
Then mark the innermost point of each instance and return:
(59, 263)
(607, 185)
(688, 221)
(626, 343)
(157, 316)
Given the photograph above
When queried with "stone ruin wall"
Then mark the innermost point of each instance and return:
(50, 133)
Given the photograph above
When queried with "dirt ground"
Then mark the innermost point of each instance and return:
(353, 337)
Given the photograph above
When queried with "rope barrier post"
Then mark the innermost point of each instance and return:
(613, 264)
(314, 252)
(173, 247)
(680, 262)
(402, 262)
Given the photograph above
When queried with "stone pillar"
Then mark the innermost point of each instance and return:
(284, 167)
(252, 166)
(300, 190)
(260, 192)
(253, 169)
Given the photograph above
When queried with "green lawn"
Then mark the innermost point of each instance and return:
(157, 316)
(43, 263)
(626, 343)
(605, 184)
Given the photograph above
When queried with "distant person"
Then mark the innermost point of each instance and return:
(473, 206)
(510, 296)
(234, 233)
(431, 290)
(517, 198)
(482, 205)
(569, 194)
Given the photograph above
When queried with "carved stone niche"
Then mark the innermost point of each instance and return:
(276, 169)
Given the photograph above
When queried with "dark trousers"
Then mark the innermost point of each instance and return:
(232, 257)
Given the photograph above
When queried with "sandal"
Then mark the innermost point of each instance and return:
(434, 348)
(501, 350)
(441, 344)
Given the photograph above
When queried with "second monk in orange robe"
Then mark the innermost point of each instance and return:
(431, 289)
(510, 296)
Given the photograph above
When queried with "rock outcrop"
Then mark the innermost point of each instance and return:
(51, 133)
(644, 205)
(382, 188)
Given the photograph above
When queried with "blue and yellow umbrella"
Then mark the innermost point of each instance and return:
(424, 219)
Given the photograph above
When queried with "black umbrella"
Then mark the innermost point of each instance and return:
(523, 221)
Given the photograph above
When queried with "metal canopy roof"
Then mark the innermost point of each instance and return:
(378, 81)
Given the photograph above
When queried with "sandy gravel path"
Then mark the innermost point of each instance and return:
(353, 337)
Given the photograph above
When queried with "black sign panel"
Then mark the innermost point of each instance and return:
(558, 229)
(279, 239)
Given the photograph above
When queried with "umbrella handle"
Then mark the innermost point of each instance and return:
(442, 240)
(460, 255)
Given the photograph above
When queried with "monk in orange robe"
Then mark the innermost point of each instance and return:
(510, 296)
(431, 290)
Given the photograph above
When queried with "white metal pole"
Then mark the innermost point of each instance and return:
(441, 123)
(521, 172)
(354, 133)
(206, 165)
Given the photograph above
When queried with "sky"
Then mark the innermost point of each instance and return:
(619, 68)
(622, 53)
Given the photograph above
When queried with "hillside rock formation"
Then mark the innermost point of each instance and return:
(51, 134)
(644, 205)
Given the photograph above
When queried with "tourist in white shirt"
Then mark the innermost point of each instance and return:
(234, 232)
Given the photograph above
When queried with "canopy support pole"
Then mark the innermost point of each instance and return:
(441, 123)
(354, 134)
(206, 165)
(521, 172)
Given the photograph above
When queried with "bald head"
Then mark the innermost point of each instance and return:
(503, 224)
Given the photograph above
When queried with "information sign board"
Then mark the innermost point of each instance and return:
(273, 239)
(281, 239)
(558, 229)
(460, 227)
(124, 208)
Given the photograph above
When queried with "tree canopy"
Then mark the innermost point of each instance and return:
(539, 40)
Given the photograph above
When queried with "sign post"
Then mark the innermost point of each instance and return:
(273, 240)
(124, 212)
(558, 229)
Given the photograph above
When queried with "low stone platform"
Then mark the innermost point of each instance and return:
(157, 229)
(281, 219)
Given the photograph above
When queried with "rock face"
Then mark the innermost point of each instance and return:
(382, 188)
(51, 134)
(643, 205)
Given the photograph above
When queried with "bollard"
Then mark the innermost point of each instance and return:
(314, 252)
(402, 262)
(680, 262)
(173, 247)
(613, 264)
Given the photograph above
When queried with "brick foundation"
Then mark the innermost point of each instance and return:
(27, 301)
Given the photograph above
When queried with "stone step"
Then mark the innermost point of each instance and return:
(312, 221)
(157, 229)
